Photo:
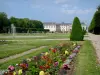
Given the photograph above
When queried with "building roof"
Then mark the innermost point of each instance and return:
(49, 23)
(57, 23)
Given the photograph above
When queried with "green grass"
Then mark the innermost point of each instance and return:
(15, 47)
(86, 62)
(23, 36)
(18, 60)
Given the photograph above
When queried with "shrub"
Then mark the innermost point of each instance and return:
(76, 33)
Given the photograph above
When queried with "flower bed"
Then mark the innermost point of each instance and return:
(54, 62)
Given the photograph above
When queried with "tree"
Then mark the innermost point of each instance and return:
(95, 23)
(76, 33)
(98, 8)
(4, 22)
(13, 20)
(84, 31)
(21, 24)
(92, 25)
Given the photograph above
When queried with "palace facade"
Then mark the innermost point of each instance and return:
(57, 27)
(60, 27)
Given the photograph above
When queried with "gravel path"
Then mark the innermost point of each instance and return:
(96, 43)
(19, 55)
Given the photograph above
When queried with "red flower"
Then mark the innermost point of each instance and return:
(24, 65)
(41, 67)
(47, 67)
(54, 50)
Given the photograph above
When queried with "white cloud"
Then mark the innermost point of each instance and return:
(76, 11)
(67, 6)
(69, 9)
(60, 1)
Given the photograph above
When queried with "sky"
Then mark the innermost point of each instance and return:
(51, 10)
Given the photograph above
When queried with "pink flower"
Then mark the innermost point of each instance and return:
(56, 64)
(11, 68)
(65, 66)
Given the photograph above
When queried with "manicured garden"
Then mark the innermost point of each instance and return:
(47, 60)
(18, 60)
(85, 63)
(15, 47)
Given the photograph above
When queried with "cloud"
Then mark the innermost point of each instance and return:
(69, 9)
(77, 11)
(60, 1)
(66, 1)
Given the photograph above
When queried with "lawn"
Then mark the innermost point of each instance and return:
(26, 42)
(49, 44)
(25, 36)
(86, 62)
(15, 47)
(18, 60)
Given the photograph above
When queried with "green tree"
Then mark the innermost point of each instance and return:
(76, 33)
(98, 8)
(13, 20)
(4, 22)
(95, 23)
(21, 24)
(92, 25)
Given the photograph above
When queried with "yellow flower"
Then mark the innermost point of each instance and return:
(66, 52)
(20, 72)
(74, 44)
(14, 73)
(41, 73)
(46, 53)
(28, 59)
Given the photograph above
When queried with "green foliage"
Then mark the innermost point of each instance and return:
(95, 23)
(21, 24)
(46, 30)
(92, 25)
(84, 31)
(4, 22)
(77, 33)
(26, 25)
(98, 7)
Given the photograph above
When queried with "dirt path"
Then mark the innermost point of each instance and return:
(96, 43)
(19, 55)
(37, 39)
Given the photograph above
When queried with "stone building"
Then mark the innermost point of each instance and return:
(57, 27)
(60, 27)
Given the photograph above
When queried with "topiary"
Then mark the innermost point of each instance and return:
(76, 33)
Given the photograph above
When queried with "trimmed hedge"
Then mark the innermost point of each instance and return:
(77, 33)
